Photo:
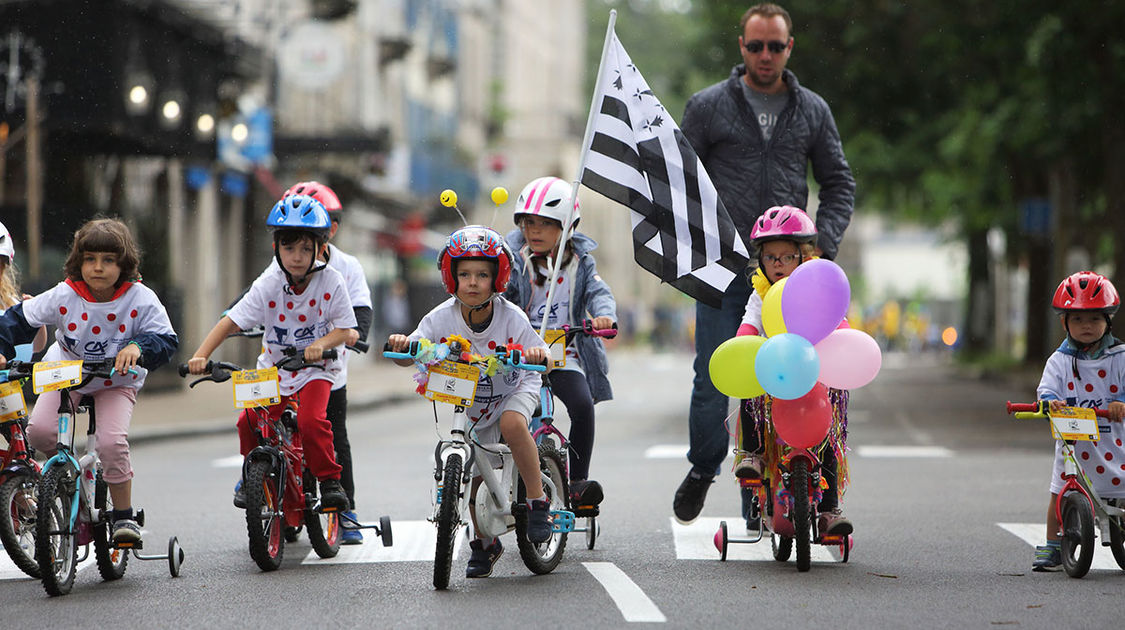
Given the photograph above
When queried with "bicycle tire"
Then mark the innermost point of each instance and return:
(448, 520)
(111, 561)
(1117, 539)
(1078, 535)
(542, 558)
(17, 528)
(782, 547)
(56, 547)
(799, 488)
(323, 527)
(264, 518)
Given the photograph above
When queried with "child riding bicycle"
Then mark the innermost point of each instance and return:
(784, 237)
(476, 266)
(302, 303)
(1087, 370)
(101, 310)
(540, 211)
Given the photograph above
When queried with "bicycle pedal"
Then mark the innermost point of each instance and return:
(562, 521)
(750, 483)
(128, 545)
(586, 510)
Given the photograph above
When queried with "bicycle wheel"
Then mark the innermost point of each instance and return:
(17, 527)
(448, 521)
(56, 546)
(323, 527)
(264, 519)
(1078, 535)
(111, 561)
(543, 557)
(782, 546)
(1117, 540)
(799, 487)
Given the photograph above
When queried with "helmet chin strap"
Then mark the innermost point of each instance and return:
(313, 268)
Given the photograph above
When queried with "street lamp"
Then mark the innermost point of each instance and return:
(204, 126)
(138, 98)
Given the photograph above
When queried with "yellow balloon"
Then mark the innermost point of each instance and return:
(732, 367)
(499, 195)
(772, 322)
(448, 198)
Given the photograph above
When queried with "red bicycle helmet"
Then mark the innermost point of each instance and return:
(325, 195)
(783, 222)
(1086, 291)
(475, 241)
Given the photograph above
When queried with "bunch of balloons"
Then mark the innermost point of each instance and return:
(807, 348)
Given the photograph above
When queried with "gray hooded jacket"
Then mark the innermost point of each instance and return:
(752, 175)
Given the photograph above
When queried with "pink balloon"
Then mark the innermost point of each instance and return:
(849, 358)
(803, 422)
(816, 298)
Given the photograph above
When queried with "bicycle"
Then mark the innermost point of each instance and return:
(452, 378)
(281, 492)
(19, 479)
(543, 429)
(787, 493)
(74, 506)
(1078, 508)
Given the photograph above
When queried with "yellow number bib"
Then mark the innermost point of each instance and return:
(256, 388)
(53, 375)
(1074, 423)
(558, 350)
(12, 405)
(453, 383)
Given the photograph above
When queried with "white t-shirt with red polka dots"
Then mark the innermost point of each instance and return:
(509, 325)
(94, 331)
(1099, 382)
(293, 320)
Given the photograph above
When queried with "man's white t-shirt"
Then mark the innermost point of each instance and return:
(509, 325)
(292, 320)
(93, 331)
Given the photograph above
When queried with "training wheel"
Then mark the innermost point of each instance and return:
(385, 531)
(846, 548)
(721, 541)
(175, 556)
(592, 531)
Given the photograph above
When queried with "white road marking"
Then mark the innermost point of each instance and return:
(9, 570)
(697, 542)
(634, 605)
(414, 541)
(902, 451)
(234, 461)
(1035, 534)
(666, 451)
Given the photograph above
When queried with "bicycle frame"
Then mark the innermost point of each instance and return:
(1075, 480)
(277, 444)
(83, 468)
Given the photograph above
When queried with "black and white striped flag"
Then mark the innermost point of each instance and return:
(638, 157)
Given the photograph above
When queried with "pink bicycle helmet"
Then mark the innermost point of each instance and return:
(1086, 291)
(548, 197)
(325, 195)
(783, 222)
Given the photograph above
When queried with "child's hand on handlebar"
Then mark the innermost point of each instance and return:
(197, 365)
(602, 323)
(314, 352)
(126, 358)
(1116, 411)
(536, 355)
(398, 343)
(1055, 405)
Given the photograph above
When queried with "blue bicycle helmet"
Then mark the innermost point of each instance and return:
(301, 212)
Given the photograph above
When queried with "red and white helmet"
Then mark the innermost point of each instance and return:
(547, 197)
(783, 222)
(475, 241)
(325, 195)
(7, 247)
(1086, 291)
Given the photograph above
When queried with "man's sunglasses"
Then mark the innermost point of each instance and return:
(756, 45)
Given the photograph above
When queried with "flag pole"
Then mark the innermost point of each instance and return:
(556, 262)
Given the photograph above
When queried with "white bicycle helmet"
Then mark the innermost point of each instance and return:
(546, 197)
(7, 248)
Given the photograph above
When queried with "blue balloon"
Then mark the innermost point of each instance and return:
(787, 366)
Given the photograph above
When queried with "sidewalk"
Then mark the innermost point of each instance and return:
(209, 407)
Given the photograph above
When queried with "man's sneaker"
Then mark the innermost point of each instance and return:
(1047, 558)
(239, 496)
(749, 467)
(482, 558)
(833, 523)
(688, 502)
(126, 530)
(538, 521)
(585, 492)
(349, 536)
(332, 494)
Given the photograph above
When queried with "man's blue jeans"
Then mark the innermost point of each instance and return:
(706, 419)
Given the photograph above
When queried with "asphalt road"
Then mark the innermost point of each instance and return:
(947, 491)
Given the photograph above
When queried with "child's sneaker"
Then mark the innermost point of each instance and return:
(585, 492)
(482, 558)
(332, 494)
(349, 536)
(1047, 557)
(833, 523)
(538, 521)
(749, 467)
(239, 496)
(126, 530)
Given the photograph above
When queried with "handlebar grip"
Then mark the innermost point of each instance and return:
(396, 355)
(329, 354)
(360, 346)
(1022, 407)
(184, 371)
(531, 367)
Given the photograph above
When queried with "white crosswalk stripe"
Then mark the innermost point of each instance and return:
(9, 570)
(1035, 534)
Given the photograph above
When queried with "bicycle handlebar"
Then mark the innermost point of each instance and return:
(220, 371)
(255, 333)
(90, 370)
(1039, 410)
(510, 358)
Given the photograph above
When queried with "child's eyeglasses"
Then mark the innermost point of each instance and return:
(784, 259)
(756, 45)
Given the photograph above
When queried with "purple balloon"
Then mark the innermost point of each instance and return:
(815, 299)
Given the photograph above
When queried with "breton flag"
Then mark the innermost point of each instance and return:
(637, 156)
